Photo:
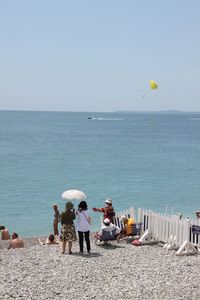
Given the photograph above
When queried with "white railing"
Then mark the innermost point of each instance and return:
(128, 212)
(194, 237)
(164, 227)
(170, 228)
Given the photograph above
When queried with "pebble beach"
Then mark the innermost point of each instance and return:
(115, 271)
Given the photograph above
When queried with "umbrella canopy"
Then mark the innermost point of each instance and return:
(74, 195)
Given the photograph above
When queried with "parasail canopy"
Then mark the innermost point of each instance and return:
(153, 85)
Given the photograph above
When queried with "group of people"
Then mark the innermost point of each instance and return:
(68, 231)
(83, 226)
(15, 240)
(83, 223)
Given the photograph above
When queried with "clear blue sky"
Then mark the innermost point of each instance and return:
(94, 55)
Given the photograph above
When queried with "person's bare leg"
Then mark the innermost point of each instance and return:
(63, 247)
(70, 247)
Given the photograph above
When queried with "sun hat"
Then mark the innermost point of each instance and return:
(123, 218)
(69, 205)
(106, 221)
(108, 201)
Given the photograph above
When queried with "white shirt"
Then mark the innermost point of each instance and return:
(82, 223)
(110, 228)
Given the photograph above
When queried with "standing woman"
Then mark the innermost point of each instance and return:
(83, 225)
(68, 229)
(56, 219)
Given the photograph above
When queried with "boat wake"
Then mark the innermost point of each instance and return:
(105, 119)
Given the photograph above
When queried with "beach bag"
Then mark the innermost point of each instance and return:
(88, 219)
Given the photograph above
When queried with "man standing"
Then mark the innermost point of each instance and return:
(108, 210)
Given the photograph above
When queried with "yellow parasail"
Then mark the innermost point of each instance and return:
(153, 85)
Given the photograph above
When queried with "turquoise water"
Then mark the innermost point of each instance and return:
(148, 160)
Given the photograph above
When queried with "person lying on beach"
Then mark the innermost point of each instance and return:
(51, 240)
(108, 226)
(16, 242)
(108, 210)
(4, 233)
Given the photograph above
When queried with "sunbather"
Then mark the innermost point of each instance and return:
(4, 233)
(56, 219)
(16, 242)
(51, 240)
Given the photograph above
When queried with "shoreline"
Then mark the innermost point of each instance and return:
(115, 271)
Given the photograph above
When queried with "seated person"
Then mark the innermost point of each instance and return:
(127, 222)
(16, 242)
(109, 227)
(51, 240)
(4, 233)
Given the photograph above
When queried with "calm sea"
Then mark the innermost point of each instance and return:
(148, 160)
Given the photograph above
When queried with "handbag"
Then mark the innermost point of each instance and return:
(88, 219)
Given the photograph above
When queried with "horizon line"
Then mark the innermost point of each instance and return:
(115, 111)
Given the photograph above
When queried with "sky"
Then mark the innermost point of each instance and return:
(90, 55)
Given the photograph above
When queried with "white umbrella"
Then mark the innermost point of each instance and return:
(74, 195)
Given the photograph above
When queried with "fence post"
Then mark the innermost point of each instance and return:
(140, 215)
(132, 213)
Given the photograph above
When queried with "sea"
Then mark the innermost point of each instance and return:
(148, 160)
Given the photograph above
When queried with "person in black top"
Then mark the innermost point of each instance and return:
(68, 232)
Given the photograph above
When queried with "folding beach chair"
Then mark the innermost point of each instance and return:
(136, 229)
(106, 237)
(195, 236)
(135, 232)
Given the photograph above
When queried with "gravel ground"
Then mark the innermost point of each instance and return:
(116, 271)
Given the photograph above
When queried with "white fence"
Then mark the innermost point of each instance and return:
(128, 212)
(171, 229)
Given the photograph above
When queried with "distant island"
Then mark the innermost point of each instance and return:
(172, 111)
